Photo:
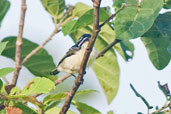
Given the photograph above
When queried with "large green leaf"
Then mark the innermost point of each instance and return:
(133, 21)
(4, 6)
(2, 46)
(54, 7)
(83, 21)
(60, 96)
(106, 67)
(39, 64)
(167, 4)
(157, 41)
(84, 108)
(38, 85)
(5, 71)
(56, 110)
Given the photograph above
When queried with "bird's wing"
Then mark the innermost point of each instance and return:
(71, 51)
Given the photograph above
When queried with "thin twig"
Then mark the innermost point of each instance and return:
(162, 108)
(62, 79)
(79, 79)
(6, 81)
(19, 43)
(40, 47)
(108, 47)
(113, 15)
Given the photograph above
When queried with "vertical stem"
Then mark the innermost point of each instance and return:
(19, 43)
(79, 79)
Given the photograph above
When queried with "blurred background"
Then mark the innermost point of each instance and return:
(139, 71)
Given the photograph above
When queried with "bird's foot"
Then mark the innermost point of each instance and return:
(82, 80)
(84, 72)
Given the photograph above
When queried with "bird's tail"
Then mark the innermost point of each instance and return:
(54, 72)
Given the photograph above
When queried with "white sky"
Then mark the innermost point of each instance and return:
(140, 71)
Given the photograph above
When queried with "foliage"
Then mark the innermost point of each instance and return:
(133, 20)
(157, 41)
(39, 64)
(4, 6)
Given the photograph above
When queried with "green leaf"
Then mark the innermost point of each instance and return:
(133, 21)
(167, 4)
(54, 7)
(1, 84)
(5, 71)
(84, 108)
(110, 112)
(4, 6)
(37, 86)
(2, 46)
(106, 67)
(25, 109)
(56, 110)
(40, 64)
(60, 96)
(80, 9)
(157, 41)
(142, 98)
(83, 21)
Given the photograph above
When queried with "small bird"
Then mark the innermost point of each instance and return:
(71, 62)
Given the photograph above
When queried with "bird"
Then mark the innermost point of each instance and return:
(71, 61)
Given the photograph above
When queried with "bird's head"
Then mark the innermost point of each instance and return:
(84, 38)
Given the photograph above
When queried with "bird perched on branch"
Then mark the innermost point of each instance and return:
(71, 62)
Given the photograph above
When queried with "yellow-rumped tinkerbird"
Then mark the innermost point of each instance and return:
(71, 62)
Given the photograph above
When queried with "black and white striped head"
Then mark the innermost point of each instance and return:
(83, 39)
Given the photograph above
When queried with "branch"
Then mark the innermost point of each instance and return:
(79, 79)
(162, 108)
(116, 40)
(113, 15)
(108, 47)
(62, 79)
(41, 46)
(6, 81)
(19, 43)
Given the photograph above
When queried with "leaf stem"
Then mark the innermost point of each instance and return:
(19, 43)
(79, 78)
(113, 15)
(40, 47)
(65, 21)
